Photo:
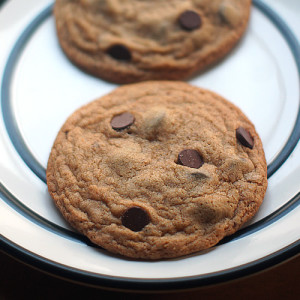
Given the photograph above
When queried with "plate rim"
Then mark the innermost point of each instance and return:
(126, 284)
(123, 283)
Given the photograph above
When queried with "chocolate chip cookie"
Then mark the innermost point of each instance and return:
(157, 170)
(127, 41)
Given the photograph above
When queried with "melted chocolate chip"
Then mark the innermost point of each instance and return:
(135, 218)
(244, 137)
(122, 121)
(190, 158)
(189, 20)
(119, 52)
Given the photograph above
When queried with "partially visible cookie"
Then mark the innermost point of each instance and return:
(157, 170)
(127, 41)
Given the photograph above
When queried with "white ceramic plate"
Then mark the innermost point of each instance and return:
(40, 88)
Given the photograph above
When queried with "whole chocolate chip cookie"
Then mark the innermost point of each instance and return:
(134, 40)
(157, 170)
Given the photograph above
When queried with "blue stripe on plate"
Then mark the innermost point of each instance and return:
(137, 284)
(32, 216)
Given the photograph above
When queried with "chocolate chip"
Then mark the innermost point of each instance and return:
(122, 121)
(135, 218)
(119, 52)
(244, 137)
(189, 20)
(190, 158)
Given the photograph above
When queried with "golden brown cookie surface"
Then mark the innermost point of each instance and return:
(134, 40)
(157, 170)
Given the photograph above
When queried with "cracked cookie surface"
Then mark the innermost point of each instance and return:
(135, 40)
(157, 170)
